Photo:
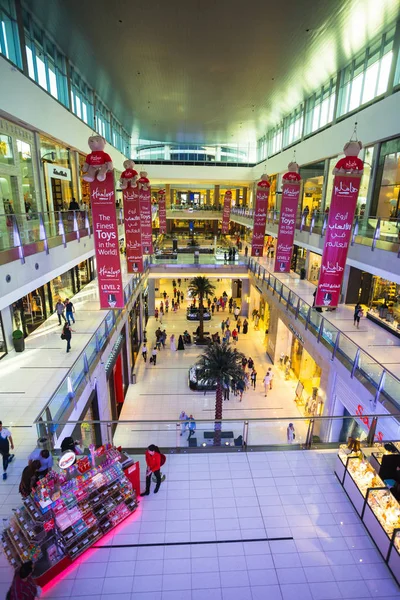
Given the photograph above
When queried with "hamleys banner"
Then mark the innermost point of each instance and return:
(105, 230)
(260, 216)
(145, 219)
(287, 219)
(346, 186)
(133, 232)
(162, 211)
(226, 213)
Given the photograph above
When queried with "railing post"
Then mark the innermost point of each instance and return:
(303, 220)
(43, 233)
(377, 234)
(324, 224)
(308, 318)
(310, 434)
(312, 221)
(321, 330)
(17, 240)
(87, 224)
(85, 363)
(335, 347)
(355, 364)
(372, 431)
(288, 300)
(61, 229)
(245, 434)
(76, 228)
(297, 309)
(355, 232)
(380, 387)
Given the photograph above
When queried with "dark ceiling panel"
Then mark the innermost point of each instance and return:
(215, 71)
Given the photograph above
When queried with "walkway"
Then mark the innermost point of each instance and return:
(162, 392)
(379, 343)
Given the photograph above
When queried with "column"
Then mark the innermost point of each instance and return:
(6, 316)
(216, 195)
(237, 197)
(208, 197)
(168, 195)
(244, 196)
(244, 311)
(345, 284)
(151, 297)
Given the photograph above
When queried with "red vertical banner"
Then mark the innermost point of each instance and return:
(226, 213)
(145, 213)
(162, 211)
(287, 219)
(105, 230)
(337, 239)
(260, 216)
(133, 231)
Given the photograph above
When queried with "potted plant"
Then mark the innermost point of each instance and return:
(18, 340)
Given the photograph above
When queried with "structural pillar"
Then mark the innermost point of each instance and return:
(244, 196)
(151, 302)
(6, 316)
(216, 195)
(244, 310)
(208, 197)
(168, 195)
(237, 198)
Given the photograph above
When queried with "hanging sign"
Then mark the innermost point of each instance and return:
(105, 231)
(260, 216)
(346, 186)
(287, 219)
(133, 232)
(145, 213)
(226, 214)
(162, 211)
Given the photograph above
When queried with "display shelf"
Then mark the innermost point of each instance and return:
(341, 461)
(381, 517)
(359, 477)
(394, 556)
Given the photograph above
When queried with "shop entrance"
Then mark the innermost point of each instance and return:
(89, 432)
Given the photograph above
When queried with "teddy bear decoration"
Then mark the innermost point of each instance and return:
(293, 173)
(350, 164)
(129, 175)
(98, 163)
(143, 181)
(264, 183)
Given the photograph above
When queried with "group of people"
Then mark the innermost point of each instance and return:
(68, 308)
(187, 424)
(231, 254)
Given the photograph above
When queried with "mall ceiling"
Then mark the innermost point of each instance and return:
(215, 71)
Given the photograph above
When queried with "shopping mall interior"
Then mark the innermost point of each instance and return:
(220, 417)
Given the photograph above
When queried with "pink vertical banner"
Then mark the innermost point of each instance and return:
(133, 231)
(287, 219)
(145, 213)
(162, 211)
(260, 216)
(226, 213)
(337, 239)
(105, 231)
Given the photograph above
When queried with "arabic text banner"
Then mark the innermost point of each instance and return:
(105, 231)
(260, 220)
(145, 219)
(287, 226)
(226, 214)
(133, 232)
(337, 239)
(162, 212)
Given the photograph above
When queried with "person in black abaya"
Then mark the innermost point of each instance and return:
(181, 345)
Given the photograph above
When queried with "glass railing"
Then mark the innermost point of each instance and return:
(310, 430)
(21, 229)
(196, 207)
(61, 403)
(376, 378)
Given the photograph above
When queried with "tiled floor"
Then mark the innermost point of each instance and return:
(215, 531)
(162, 392)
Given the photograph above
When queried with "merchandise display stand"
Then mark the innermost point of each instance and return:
(70, 511)
(374, 502)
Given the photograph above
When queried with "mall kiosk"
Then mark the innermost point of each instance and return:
(70, 511)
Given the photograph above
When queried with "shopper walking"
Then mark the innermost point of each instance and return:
(163, 338)
(69, 310)
(67, 335)
(60, 308)
(223, 326)
(235, 336)
(156, 314)
(290, 433)
(45, 459)
(172, 343)
(153, 464)
(250, 363)
(240, 388)
(5, 442)
(246, 251)
(183, 419)
(358, 313)
(245, 326)
(238, 324)
(236, 312)
(266, 382)
(253, 378)
(154, 355)
(29, 478)
(228, 334)
(23, 586)
(225, 389)
(271, 377)
(191, 426)
(144, 352)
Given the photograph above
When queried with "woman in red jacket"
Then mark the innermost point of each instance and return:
(153, 462)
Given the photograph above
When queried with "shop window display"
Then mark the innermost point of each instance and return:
(313, 181)
(314, 267)
(384, 303)
(6, 150)
(386, 201)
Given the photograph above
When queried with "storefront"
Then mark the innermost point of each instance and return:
(314, 267)
(135, 331)
(19, 181)
(258, 307)
(384, 304)
(30, 311)
(313, 183)
(386, 198)
(3, 343)
(117, 373)
(60, 172)
(297, 364)
(88, 432)
(299, 261)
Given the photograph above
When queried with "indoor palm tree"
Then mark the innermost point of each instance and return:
(201, 287)
(220, 365)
